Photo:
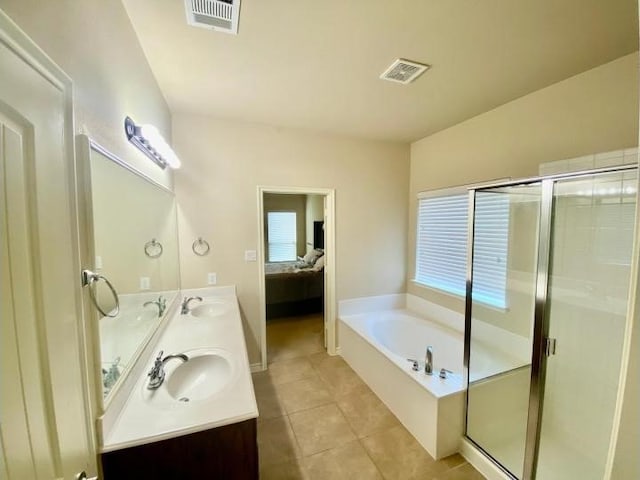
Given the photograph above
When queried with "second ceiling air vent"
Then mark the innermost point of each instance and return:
(219, 15)
(404, 71)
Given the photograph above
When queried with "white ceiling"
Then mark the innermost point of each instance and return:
(315, 64)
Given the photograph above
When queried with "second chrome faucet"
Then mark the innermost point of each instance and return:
(156, 374)
(184, 309)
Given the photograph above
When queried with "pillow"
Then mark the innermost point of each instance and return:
(311, 257)
(319, 265)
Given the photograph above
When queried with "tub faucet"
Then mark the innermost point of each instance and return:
(428, 361)
(414, 364)
(156, 374)
(185, 304)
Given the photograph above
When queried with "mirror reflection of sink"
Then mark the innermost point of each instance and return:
(209, 309)
(205, 374)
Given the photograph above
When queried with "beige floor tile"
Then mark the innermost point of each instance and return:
(366, 413)
(399, 456)
(304, 394)
(322, 361)
(290, 370)
(462, 472)
(269, 404)
(276, 442)
(321, 428)
(261, 380)
(343, 381)
(348, 462)
(293, 470)
(294, 349)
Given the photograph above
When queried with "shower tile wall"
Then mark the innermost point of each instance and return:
(589, 162)
(590, 266)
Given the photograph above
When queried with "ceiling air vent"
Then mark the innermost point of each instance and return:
(404, 71)
(219, 15)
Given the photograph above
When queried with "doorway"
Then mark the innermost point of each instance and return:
(297, 267)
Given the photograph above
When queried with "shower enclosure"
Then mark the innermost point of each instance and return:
(547, 290)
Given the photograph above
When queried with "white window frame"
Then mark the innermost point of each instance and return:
(293, 244)
(492, 289)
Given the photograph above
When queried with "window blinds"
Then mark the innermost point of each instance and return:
(281, 236)
(441, 253)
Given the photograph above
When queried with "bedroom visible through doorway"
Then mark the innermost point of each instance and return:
(296, 290)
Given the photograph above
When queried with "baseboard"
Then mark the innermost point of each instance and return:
(256, 367)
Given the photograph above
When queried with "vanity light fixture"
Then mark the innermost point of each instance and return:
(150, 142)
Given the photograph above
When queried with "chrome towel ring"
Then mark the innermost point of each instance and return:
(153, 249)
(88, 279)
(200, 247)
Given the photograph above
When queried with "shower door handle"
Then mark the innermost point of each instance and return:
(549, 346)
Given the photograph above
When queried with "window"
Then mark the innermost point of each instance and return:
(441, 249)
(281, 236)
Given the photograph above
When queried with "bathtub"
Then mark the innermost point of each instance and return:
(377, 345)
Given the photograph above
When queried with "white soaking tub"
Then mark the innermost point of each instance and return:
(377, 345)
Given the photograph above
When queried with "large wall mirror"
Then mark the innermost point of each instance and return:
(133, 243)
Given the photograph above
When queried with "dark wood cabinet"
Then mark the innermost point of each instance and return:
(229, 452)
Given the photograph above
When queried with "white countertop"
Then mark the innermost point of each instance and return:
(149, 416)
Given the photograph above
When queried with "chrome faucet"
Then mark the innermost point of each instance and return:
(185, 304)
(443, 373)
(156, 374)
(428, 361)
(110, 377)
(161, 303)
(414, 364)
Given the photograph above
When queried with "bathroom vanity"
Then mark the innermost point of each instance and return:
(199, 418)
(228, 452)
(201, 421)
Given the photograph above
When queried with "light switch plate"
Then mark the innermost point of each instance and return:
(145, 283)
(250, 256)
(98, 262)
(212, 278)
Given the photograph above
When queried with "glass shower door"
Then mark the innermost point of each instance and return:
(506, 223)
(589, 273)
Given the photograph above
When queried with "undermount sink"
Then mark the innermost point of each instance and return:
(209, 309)
(202, 376)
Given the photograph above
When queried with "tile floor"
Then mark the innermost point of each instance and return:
(318, 420)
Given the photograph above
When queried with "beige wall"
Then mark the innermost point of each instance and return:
(94, 43)
(595, 111)
(224, 162)
(274, 202)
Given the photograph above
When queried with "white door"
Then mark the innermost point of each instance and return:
(45, 431)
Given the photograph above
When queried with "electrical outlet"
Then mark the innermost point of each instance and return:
(212, 278)
(250, 256)
(145, 283)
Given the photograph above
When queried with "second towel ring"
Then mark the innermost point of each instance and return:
(200, 247)
(153, 249)
(88, 279)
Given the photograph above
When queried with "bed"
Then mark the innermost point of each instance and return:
(294, 288)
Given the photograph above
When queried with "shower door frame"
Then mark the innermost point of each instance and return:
(541, 320)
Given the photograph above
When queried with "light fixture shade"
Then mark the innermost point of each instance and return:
(150, 142)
